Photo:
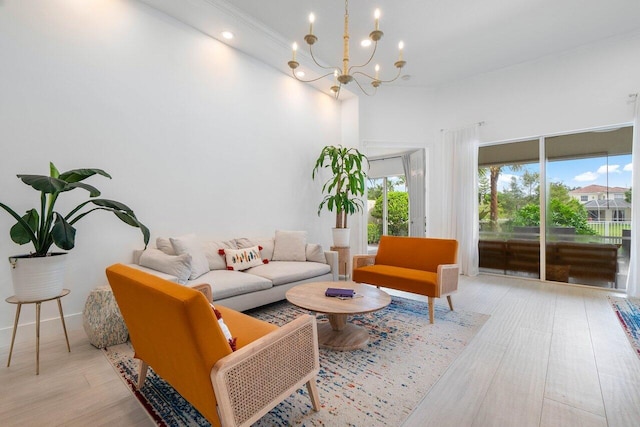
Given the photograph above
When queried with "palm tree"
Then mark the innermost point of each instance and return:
(494, 174)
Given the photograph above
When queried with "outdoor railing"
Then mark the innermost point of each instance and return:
(609, 228)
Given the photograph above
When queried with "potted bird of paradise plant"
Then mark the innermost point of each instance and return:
(40, 274)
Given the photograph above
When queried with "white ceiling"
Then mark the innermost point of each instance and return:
(445, 40)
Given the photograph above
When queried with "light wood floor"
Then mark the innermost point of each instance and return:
(550, 355)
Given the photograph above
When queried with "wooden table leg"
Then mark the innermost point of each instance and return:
(337, 321)
(13, 336)
(63, 325)
(38, 304)
(338, 334)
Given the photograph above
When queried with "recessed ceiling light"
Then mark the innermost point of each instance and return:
(227, 35)
(300, 74)
(365, 43)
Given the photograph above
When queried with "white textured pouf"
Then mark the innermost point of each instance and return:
(102, 320)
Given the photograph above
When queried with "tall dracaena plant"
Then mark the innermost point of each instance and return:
(346, 185)
(48, 226)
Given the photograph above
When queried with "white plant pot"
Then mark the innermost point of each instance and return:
(37, 278)
(341, 237)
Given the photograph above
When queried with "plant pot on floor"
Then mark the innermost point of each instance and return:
(37, 278)
(341, 237)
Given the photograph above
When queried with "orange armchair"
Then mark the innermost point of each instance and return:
(173, 329)
(420, 265)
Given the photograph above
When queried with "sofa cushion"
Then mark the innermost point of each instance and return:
(242, 259)
(403, 279)
(226, 284)
(164, 244)
(190, 245)
(178, 266)
(165, 276)
(267, 244)
(211, 250)
(281, 272)
(314, 253)
(420, 253)
(290, 246)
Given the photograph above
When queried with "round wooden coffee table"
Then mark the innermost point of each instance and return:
(338, 334)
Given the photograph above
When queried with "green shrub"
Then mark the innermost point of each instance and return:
(373, 233)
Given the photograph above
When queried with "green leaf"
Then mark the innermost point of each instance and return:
(76, 175)
(53, 171)
(63, 233)
(112, 204)
(45, 184)
(93, 191)
(19, 234)
(133, 221)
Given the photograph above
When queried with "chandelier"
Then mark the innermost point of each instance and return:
(348, 73)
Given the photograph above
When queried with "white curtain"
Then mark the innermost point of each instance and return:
(633, 288)
(414, 165)
(460, 195)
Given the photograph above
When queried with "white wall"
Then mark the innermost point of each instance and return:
(584, 88)
(197, 136)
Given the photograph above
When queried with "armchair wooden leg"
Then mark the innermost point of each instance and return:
(142, 373)
(450, 302)
(432, 310)
(313, 394)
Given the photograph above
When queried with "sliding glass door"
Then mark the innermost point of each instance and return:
(509, 200)
(588, 207)
(579, 196)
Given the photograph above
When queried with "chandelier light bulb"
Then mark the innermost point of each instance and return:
(377, 71)
(376, 15)
(401, 48)
(295, 48)
(312, 19)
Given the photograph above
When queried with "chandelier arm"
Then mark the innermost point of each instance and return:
(318, 64)
(309, 81)
(393, 79)
(337, 93)
(375, 47)
(364, 74)
(362, 89)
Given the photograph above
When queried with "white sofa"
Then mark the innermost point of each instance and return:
(192, 261)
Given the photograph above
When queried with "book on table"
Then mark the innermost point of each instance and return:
(340, 292)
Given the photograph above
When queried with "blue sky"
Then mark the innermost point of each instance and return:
(581, 172)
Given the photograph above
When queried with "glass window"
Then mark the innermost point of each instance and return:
(575, 204)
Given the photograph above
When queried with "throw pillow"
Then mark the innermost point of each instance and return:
(164, 244)
(225, 329)
(241, 259)
(265, 242)
(175, 265)
(216, 260)
(190, 245)
(315, 253)
(290, 246)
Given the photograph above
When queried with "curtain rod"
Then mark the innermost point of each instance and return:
(482, 123)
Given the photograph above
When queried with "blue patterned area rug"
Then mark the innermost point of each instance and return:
(379, 385)
(628, 312)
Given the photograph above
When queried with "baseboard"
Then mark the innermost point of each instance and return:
(26, 332)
